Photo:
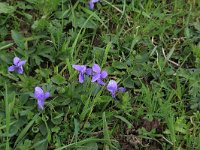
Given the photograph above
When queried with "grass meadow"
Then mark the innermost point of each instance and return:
(124, 75)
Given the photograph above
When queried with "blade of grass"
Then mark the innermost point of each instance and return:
(6, 46)
(77, 37)
(105, 130)
(93, 104)
(108, 46)
(86, 108)
(76, 130)
(88, 140)
(95, 16)
(3, 127)
(38, 143)
(7, 118)
(124, 120)
(25, 130)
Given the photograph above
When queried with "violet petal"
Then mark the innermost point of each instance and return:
(81, 78)
(99, 81)
(21, 63)
(94, 1)
(91, 5)
(80, 68)
(40, 103)
(95, 77)
(39, 93)
(88, 71)
(113, 94)
(121, 89)
(11, 68)
(16, 60)
(47, 95)
(96, 68)
(104, 74)
(19, 70)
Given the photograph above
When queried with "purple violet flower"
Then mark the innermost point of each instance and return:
(41, 96)
(98, 74)
(91, 3)
(113, 88)
(17, 65)
(82, 71)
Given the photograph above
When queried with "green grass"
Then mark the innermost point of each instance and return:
(150, 47)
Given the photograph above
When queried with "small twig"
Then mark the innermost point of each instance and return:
(167, 140)
(174, 63)
(152, 40)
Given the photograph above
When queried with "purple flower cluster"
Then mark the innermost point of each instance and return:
(97, 76)
(95, 71)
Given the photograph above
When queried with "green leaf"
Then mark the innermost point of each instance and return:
(124, 120)
(125, 101)
(76, 128)
(98, 54)
(89, 146)
(187, 32)
(5, 8)
(103, 99)
(109, 45)
(128, 82)
(18, 38)
(119, 65)
(41, 145)
(196, 50)
(58, 79)
(197, 26)
(81, 20)
(57, 118)
(40, 24)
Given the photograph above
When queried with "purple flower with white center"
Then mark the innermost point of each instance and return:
(82, 71)
(17, 65)
(91, 3)
(41, 96)
(113, 88)
(98, 74)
